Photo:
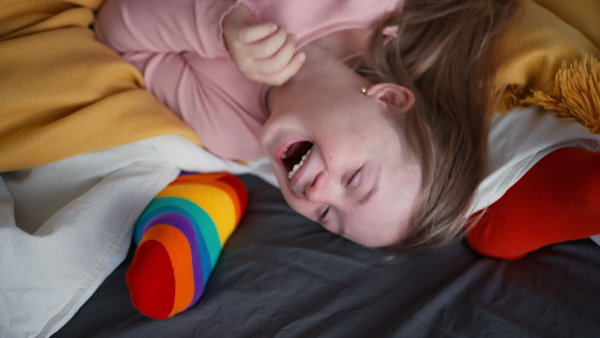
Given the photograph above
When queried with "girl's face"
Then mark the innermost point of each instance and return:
(339, 160)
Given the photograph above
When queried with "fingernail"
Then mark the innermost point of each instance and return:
(272, 27)
(301, 57)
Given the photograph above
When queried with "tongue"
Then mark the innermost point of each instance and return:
(297, 150)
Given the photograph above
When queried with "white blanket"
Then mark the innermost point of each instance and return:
(64, 227)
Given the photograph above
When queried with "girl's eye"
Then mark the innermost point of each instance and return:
(324, 214)
(354, 180)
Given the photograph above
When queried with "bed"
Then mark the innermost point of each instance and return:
(87, 148)
(281, 275)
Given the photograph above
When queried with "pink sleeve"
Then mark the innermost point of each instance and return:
(165, 25)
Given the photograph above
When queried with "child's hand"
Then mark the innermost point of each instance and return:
(263, 52)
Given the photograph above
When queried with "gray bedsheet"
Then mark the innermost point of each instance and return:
(281, 275)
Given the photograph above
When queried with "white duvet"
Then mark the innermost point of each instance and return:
(64, 227)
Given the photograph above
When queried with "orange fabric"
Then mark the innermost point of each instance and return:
(181, 259)
(557, 200)
(194, 178)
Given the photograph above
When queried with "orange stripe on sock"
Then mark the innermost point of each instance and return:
(197, 178)
(181, 259)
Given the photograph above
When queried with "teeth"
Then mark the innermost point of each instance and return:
(299, 165)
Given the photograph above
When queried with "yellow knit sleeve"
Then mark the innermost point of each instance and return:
(549, 57)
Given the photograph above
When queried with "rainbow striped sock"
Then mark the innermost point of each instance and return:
(180, 236)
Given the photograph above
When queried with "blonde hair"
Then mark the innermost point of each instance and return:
(444, 53)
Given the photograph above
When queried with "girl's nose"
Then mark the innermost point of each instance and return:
(319, 190)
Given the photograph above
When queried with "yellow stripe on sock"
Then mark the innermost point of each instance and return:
(216, 202)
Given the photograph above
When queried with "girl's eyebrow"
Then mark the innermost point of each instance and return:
(365, 199)
(362, 201)
(368, 195)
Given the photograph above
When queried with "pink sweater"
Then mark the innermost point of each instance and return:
(178, 46)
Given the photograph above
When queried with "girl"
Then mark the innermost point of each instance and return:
(355, 169)
(396, 166)
(377, 122)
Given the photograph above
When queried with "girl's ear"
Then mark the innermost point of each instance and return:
(393, 94)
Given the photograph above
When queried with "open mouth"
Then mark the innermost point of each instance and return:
(295, 156)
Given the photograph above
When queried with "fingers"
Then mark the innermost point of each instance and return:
(278, 67)
(265, 53)
(255, 33)
(288, 71)
(270, 44)
(272, 59)
(271, 56)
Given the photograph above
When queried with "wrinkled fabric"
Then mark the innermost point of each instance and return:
(281, 275)
(65, 226)
(63, 92)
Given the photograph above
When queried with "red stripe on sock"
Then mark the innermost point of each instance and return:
(151, 280)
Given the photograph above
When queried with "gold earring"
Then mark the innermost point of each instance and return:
(364, 91)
